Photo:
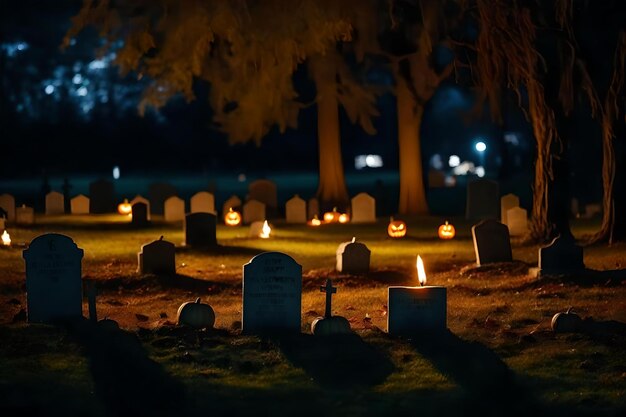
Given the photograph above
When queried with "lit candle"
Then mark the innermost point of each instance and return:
(265, 231)
(416, 309)
(6, 238)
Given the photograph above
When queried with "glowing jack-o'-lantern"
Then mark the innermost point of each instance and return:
(396, 228)
(314, 221)
(332, 216)
(446, 231)
(232, 218)
(344, 218)
(125, 208)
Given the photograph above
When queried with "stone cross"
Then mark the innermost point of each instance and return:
(329, 290)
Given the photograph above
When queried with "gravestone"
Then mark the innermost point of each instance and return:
(141, 199)
(353, 258)
(272, 294)
(200, 229)
(436, 178)
(24, 215)
(55, 203)
(507, 202)
(295, 210)
(53, 278)
(492, 242)
(80, 204)
(157, 257)
(363, 208)
(101, 197)
(203, 202)
(483, 200)
(562, 255)
(157, 194)
(174, 209)
(517, 219)
(233, 202)
(253, 211)
(2, 224)
(265, 192)
(7, 203)
(313, 208)
(140, 215)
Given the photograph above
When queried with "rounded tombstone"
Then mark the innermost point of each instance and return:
(328, 326)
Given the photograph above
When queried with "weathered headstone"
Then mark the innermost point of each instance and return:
(53, 278)
(295, 210)
(353, 258)
(174, 209)
(140, 215)
(141, 199)
(492, 242)
(517, 221)
(233, 202)
(203, 202)
(265, 192)
(157, 257)
(157, 194)
(313, 208)
(25, 215)
(55, 203)
(2, 224)
(200, 229)
(436, 178)
(483, 200)
(272, 294)
(101, 197)
(80, 204)
(562, 255)
(507, 202)
(7, 203)
(253, 211)
(363, 208)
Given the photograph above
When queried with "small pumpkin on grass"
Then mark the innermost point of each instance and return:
(196, 315)
(566, 322)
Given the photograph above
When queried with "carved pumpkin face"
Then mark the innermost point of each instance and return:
(344, 218)
(125, 208)
(446, 231)
(232, 218)
(396, 228)
(332, 216)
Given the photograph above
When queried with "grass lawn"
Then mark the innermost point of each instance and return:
(498, 357)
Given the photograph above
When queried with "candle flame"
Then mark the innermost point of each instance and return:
(315, 221)
(421, 273)
(353, 239)
(6, 238)
(265, 232)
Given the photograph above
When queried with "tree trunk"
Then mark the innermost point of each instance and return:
(412, 190)
(332, 191)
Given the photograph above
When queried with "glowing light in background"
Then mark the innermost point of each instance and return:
(49, 89)
(368, 161)
(480, 171)
(480, 146)
(77, 79)
(116, 172)
(82, 91)
(454, 161)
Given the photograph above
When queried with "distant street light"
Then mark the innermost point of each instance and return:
(481, 147)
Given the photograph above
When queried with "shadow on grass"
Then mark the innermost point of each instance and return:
(178, 281)
(337, 362)
(127, 381)
(220, 250)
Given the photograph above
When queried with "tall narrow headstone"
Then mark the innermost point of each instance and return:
(200, 230)
(295, 210)
(158, 193)
(483, 200)
(141, 199)
(80, 204)
(363, 208)
(55, 203)
(53, 278)
(7, 203)
(272, 294)
(353, 258)
(313, 208)
(101, 197)
(203, 202)
(140, 215)
(517, 221)
(507, 202)
(174, 209)
(25, 215)
(492, 242)
(253, 211)
(157, 257)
